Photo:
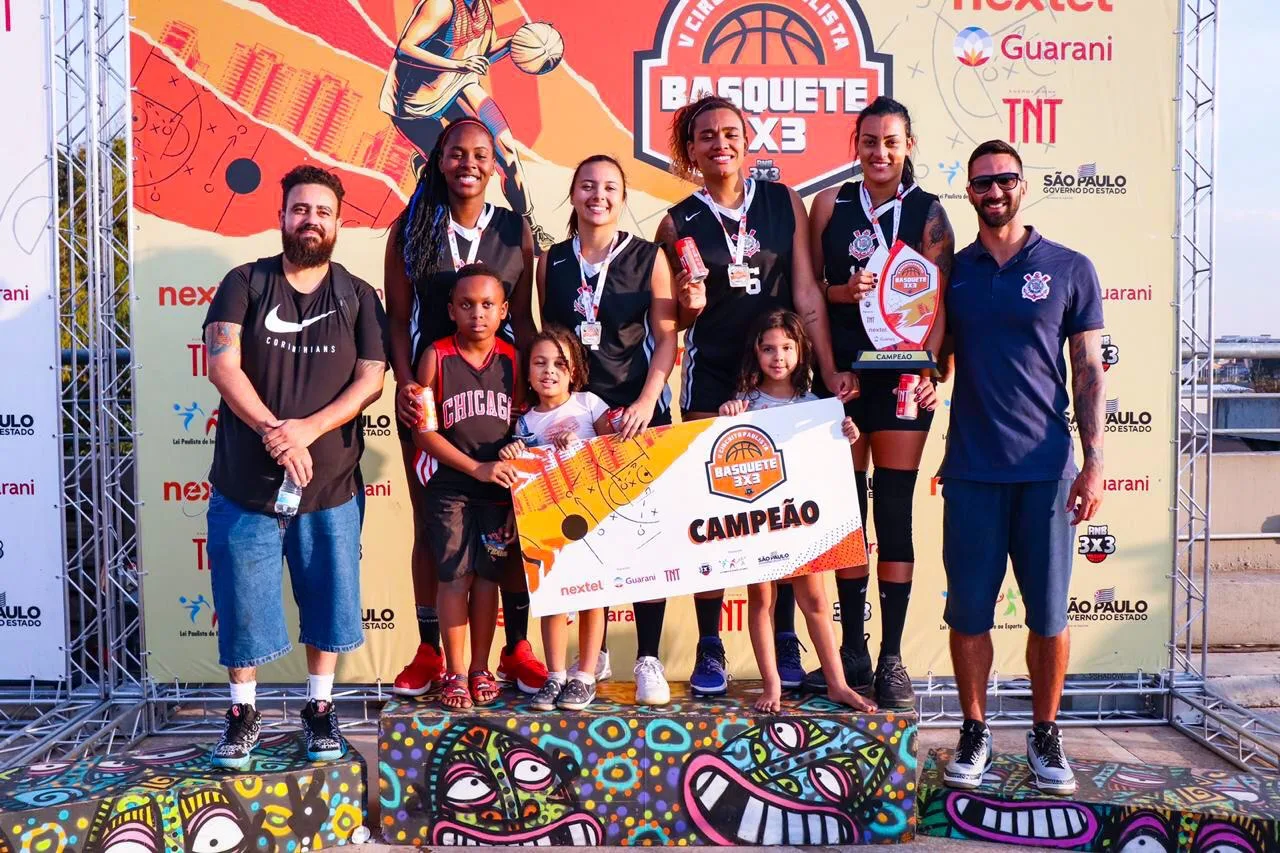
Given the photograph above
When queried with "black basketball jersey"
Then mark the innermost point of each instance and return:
(715, 341)
(848, 242)
(473, 411)
(500, 248)
(619, 367)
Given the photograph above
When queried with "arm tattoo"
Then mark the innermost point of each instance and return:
(940, 240)
(666, 238)
(370, 364)
(222, 337)
(1089, 390)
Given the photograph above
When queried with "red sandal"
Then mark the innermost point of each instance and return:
(482, 681)
(454, 695)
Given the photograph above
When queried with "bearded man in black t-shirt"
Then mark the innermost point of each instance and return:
(296, 349)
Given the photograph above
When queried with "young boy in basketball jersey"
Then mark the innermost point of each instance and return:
(467, 506)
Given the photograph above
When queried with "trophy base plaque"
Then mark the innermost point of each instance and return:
(902, 360)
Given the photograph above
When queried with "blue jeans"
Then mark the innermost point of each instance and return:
(247, 550)
(986, 526)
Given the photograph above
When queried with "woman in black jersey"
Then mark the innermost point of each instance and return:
(446, 225)
(849, 223)
(614, 290)
(754, 240)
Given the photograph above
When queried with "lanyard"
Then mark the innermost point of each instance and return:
(597, 293)
(472, 234)
(736, 251)
(873, 216)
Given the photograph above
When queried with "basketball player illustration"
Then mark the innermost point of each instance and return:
(434, 79)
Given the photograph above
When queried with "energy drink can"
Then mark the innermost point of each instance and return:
(908, 409)
(427, 421)
(691, 258)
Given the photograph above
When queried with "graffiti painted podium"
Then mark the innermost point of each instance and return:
(697, 772)
(170, 801)
(1117, 807)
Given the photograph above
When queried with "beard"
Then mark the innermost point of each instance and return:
(998, 220)
(305, 254)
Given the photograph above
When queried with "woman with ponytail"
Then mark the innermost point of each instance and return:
(850, 223)
(447, 225)
(613, 290)
(753, 237)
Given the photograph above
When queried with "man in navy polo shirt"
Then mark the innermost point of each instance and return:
(1010, 486)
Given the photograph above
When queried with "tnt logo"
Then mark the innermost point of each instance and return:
(1097, 544)
(1110, 353)
(745, 464)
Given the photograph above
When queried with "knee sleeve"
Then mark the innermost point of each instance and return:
(894, 491)
(861, 478)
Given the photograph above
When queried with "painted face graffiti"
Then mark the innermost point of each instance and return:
(495, 788)
(789, 781)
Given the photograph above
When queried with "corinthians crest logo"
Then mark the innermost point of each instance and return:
(801, 70)
(1036, 287)
(863, 245)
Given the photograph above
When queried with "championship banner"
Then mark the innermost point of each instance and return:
(32, 594)
(697, 506)
(230, 94)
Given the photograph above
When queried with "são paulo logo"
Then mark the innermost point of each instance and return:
(745, 464)
(1085, 180)
(1104, 606)
(377, 425)
(1096, 544)
(15, 614)
(17, 423)
(801, 70)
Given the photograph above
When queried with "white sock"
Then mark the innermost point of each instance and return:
(320, 687)
(245, 693)
(560, 676)
(587, 678)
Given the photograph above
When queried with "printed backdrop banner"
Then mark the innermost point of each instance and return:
(687, 508)
(32, 599)
(232, 93)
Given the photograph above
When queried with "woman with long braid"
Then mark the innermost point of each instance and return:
(447, 225)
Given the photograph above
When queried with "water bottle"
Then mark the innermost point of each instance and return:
(288, 499)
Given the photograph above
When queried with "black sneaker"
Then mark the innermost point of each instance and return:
(790, 669)
(972, 758)
(710, 669)
(1048, 763)
(576, 695)
(893, 686)
(857, 671)
(320, 726)
(545, 699)
(239, 736)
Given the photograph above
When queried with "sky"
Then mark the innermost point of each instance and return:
(1247, 297)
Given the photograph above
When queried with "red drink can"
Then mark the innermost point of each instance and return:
(691, 258)
(427, 420)
(908, 409)
(615, 418)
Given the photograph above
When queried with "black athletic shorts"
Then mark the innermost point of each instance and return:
(876, 408)
(464, 535)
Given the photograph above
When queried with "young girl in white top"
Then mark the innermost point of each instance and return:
(563, 417)
(777, 370)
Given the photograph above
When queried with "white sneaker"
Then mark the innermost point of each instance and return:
(1048, 762)
(972, 757)
(603, 670)
(651, 684)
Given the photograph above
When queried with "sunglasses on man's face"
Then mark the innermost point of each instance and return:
(1007, 181)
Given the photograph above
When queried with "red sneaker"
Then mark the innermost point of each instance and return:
(425, 672)
(523, 668)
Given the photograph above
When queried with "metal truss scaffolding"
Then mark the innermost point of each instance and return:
(109, 699)
(1224, 727)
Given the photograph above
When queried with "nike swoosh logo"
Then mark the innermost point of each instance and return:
(691, 216)
(559, 262)
(843, 200)
(284, 327)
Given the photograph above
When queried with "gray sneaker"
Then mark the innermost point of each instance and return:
(1048, 763)
(545, 698)
(972, 757)
(576, 695)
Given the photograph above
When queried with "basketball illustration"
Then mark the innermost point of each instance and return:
(764, 33)
(745, 464)
(537, 48)
(742, 449)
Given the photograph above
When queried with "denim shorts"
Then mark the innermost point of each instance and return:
(985, 526)
(247, 550)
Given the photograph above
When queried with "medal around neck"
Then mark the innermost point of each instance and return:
(899, 314)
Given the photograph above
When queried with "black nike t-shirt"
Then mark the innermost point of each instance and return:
(299, 351)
